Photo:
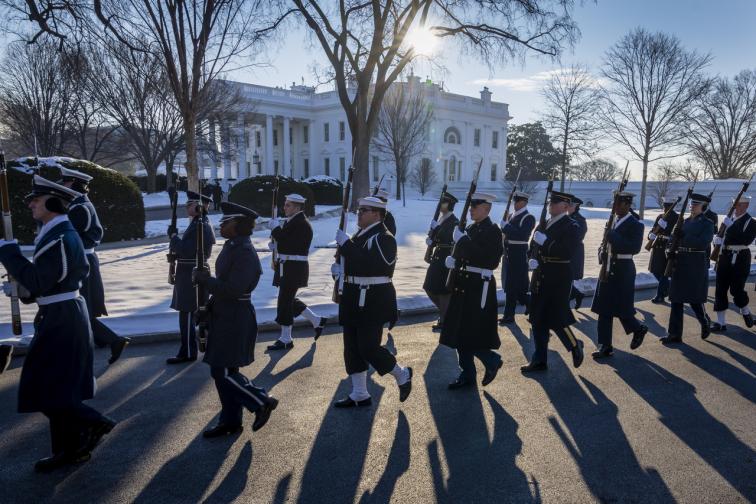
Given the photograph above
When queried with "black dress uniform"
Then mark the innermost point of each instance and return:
(184, 294)
(435, 277)
(690, 278)
(577, 263)
(232, 327)
(471, 325)
(616, 296)
(658, 261)
(58, 370)
(390, 223)
(514, 272)
(734, 266)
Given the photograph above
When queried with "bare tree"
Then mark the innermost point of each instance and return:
(572, 106)
(663, 175)
(598, 170)
(401, 128)
(722, 130)
(423, 177)
(652, 82)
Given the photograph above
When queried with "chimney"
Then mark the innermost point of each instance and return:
(485, 95)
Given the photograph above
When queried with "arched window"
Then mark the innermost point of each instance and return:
(452, 136)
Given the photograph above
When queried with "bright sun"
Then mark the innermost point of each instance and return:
(423, 41)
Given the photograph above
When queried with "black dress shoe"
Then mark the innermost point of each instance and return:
(579, 296)
(62, 459)
(6, 351)
(263, 414)
(748, 318)
(506, 320)
(179, 360)
(706, 329)
(534, 367)
(670, 339)
(491, 373)
(658, 300)
(348, 402)
(280, 345)
(406, 387)
(460, 383)
(603, 351)
(97, 431)
(716, 327)
(577, 354)
(222, 430)
(116, 348)
(638, 337)
(320, 327)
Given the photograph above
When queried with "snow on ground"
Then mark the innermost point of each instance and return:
(161, 199)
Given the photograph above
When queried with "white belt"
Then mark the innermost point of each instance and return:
(282, 258)
(737, 248)
(623, 256)
(57, 298)
(516, 242)
(486, 275)
(89, 251)
(365, 283)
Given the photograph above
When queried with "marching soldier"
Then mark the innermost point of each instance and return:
(368, 301)
(551, 283)
(441, 241)
(658, 261)
(389, 220)
(690, 278)
(470, 323)
(184, 294)
(577, 263)
(232, 324)
(514, 272)
(58, 370)
(615, 297)
(734, 264)
(83, 217)
(292, 240)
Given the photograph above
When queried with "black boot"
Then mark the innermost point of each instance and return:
(578, 299)
(748, 318)
(280, 345)
(320, 327)
(716, 327)
(603, 351)
(222, 430)
(116, 348)
(638, 337)
(263, 414)
(406, 387)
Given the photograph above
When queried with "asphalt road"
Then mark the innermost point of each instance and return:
(654, 425)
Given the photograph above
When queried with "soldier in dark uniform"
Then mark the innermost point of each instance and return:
(58, 370)
(516, 232)
(553, 247)
(184, 294)
(470, 325)
(577, 263)
(734, 264)
(292, 240)
(658, 261)
(6, 352)
(441, 240)
(83, 217)
(616, 296)
(232, 324)
(389, 220)
(368, 301)
(690, 278)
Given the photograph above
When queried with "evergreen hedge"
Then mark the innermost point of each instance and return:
(257, 192)
(327, 190)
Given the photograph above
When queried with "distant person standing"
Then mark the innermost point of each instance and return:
(217, 196)
(658, 261)
(577, 263)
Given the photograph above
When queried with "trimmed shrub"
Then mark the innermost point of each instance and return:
(117, 199)
(327, 190)
(256, 193)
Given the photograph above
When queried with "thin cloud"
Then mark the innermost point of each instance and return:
(526, 84)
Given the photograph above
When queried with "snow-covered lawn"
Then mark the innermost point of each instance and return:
(161, 199)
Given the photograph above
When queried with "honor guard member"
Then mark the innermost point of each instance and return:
(616, 296)
(83, 217)
(232, 324)
(690, 278)
(368, 301)
(551, 283)
(470, 326)
(734, 264)
(577, 263)
(184, 294)
(658, 261)
(58, 374)
(441, 240)
(389, 220)
(292, 240)
(514, 271)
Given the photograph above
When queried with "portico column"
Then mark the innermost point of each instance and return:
(269, 145)
(311, 145)
(241, 140)
(286, 170)
(213, 151)
(226, 146)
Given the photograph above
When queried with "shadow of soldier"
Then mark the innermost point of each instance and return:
(397, 464)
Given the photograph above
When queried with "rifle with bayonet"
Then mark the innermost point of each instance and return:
(657, 228)
(722, 228)
(604, 249)
(199, 289)
(506, 210)
(273, 215)
(172, 230)
(676, 235)
(436, 214)
(8, 235)
(338, 285)
(534, 249)
(452, 277)
(378, 186)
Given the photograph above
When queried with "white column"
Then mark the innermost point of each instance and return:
(286, 168)
(213, 151)
(269, 145)
(311, 145)
(485, 170)
(467, 165)
(226, 146)
(241, 153)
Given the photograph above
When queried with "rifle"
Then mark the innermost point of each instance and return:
(172, 229)
(452, 277)
(604, 248)
(274, 214)
(8, 235)
(676, 235)
(534, 248)
(657, 228)
(511, 195)
(429, 250)
(338, 285)
(378, 185)
(200, 291)
(722, 228)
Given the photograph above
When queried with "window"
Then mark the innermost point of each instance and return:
(446, 169)
(495, 140)
(426, 164)
(452, 136)
(275, 136)
(306, 134)
(258, 139)
(327, 166)
(291, 136)
(375, 168)
(342, 168)
(451, 169)
(493, 172)
(306, 168)
(249, 168)
(342, 130)
(325, 132)
(275, 166)
(476, 137)
(246, 139)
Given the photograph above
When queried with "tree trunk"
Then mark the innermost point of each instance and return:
(398, 182)
(361, 148)
(151, 182)
(642, 205)
(192, 170)
(564, 162)
(404, 195)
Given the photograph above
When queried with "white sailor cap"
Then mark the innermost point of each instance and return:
(521, 195)
(372, 201)
(480, 197)
(743, 199)
(41, 187)
(668, 200)
(67, 173)
(296, 198)
(382, 193)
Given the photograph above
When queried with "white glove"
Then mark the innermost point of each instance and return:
(532, 264)
(457, 235)
(717, 240)
(22, 291)
(341, 237)
(728, 221)
(662, 223)
(428, 242)
(539, 237)
(7, 288)
(651, 236)
(434, 224)
(273, 223)
(335, 269)
(271, 246)
(3, 243)
(449, 262)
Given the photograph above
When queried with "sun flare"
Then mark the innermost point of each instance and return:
(423, 41)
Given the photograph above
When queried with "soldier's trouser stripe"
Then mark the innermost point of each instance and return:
(244, 390)
(571, 336)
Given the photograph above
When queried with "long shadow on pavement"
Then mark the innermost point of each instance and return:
(397, 464)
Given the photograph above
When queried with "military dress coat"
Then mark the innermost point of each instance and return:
(371, 253)
(577, 263)
(658, 261)
(58, 368)
(690, 278)
(732, 263)
(83, 217)
(185, 248)
(467, 326)
(293, 238)
(516, 235)
(232, 323)
(551, 282)
(437, 273)
(616, 296)
(390, 223)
